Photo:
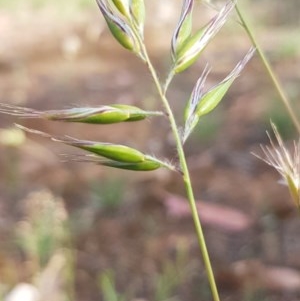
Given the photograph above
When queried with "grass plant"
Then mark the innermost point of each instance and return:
(108, 195)
(125, 19)
(164, 283)
(172, 275)
(44, 238)
(107, 285)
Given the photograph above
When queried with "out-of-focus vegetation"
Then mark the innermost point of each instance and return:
(68, 5)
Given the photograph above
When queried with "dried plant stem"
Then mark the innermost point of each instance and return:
(269, 69)
(185, 174)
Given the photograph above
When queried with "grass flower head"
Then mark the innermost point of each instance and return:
(286, 163)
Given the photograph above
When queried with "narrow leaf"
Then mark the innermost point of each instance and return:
(108, 287)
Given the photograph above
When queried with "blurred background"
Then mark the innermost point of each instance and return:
(75, 231)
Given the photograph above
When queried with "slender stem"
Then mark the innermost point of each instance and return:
(185, 174)
(168, 81)
(269, 69)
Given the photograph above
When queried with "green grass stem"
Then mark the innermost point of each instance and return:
(278, 86)
(162, 89)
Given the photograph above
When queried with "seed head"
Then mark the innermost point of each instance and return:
(287, 164)
(96, 115)
(187, 47)
(118, 25)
